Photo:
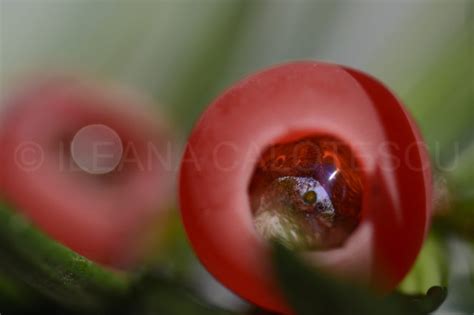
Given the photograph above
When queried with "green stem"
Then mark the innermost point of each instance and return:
(53, 270)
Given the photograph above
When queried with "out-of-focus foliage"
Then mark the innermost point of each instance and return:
(461, 196)
(442, 101)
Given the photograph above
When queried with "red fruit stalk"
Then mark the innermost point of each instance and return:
(319, 156)
(99, 203)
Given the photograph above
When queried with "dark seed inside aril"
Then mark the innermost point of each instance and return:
(307, 194)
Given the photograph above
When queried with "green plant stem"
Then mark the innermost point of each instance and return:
(53, 270)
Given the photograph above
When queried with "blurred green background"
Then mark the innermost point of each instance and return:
(184, 53)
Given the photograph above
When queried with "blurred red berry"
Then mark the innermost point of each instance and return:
(87, 164)
(321, 157)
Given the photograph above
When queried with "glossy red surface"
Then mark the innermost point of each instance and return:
(287, 103)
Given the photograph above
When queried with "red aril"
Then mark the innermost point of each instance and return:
(355, 202)
(87, 164)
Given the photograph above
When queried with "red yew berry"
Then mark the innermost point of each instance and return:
(321, 157)
(85, 163)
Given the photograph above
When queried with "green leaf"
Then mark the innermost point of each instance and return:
(430, 269)
(310, 292)
(52, 269)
